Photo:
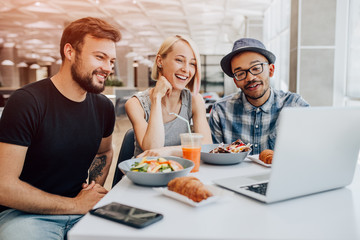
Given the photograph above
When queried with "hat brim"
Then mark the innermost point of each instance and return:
(226, 61)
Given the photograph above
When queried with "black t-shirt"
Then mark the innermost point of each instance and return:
(62, 136)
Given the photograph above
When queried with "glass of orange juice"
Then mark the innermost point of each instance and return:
(191, 147)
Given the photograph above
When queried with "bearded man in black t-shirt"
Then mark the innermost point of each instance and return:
(54, 134)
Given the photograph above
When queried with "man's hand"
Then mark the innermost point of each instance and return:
(90, 195)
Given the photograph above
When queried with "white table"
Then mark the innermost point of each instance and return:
(329, 215)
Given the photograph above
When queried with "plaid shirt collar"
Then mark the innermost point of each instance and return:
(266, 107)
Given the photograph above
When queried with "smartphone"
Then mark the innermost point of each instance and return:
(131, 216)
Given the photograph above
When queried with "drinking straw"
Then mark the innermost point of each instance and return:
(183, 120)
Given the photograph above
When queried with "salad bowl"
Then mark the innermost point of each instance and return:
(158, 178)
(221, 158)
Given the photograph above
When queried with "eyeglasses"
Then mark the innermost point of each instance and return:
(254, 70)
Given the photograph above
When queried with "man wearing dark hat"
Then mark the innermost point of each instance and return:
(250, 114)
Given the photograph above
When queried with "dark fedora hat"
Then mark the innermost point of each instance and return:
(243, 45)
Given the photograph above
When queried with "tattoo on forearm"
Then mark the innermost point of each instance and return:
(96, 168)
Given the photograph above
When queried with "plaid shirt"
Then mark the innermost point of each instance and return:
(233, 117)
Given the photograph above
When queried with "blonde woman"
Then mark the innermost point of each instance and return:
(177, 72)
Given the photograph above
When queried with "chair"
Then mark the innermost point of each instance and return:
(126, 152)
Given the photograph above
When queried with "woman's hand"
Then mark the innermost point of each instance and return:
(163, 87)
(163, 151)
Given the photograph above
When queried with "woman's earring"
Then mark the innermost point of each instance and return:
(160, 66)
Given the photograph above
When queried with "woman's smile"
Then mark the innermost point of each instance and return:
(181, 77)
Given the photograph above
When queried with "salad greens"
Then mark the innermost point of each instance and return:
(156, 165)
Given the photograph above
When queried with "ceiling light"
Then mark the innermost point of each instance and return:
(138, 58)
(48, 46)
(22, 64)
(47, 51)
(226, 38)
(42, 7)
(34, 66)
(47, 59)
(12, 35)
(41, 25)
(147, 33)
(34, 41)
(7, 63)
(32, 55)
(9, 44)
(131, 55)
(146, 62)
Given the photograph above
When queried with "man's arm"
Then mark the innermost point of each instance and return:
(300, 102)
(100, 166)
(22, 196)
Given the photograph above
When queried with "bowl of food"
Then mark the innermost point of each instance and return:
(222, 154)
(155, 171)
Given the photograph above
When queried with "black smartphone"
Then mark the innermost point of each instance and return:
(131, 216)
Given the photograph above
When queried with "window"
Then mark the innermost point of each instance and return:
(212, 77)
(353, 61)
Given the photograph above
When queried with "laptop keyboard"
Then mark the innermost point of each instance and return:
(258, 188)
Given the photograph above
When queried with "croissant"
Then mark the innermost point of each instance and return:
(266, 156)
(190, 187)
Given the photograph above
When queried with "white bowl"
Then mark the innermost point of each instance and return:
(155, 179)
(221, 158)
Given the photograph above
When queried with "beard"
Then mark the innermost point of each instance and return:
(86, 81)
(256, 96)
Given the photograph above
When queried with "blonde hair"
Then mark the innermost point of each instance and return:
(166, 47)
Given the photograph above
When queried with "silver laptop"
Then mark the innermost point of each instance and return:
(316, 150)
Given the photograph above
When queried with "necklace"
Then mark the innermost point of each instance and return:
(164, 107)
(167, 111)
(176, 108)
